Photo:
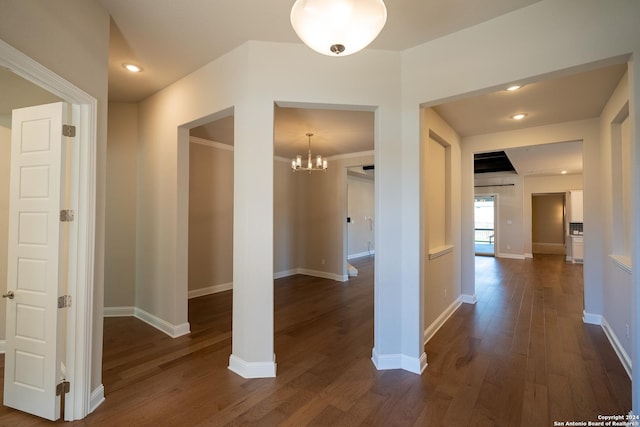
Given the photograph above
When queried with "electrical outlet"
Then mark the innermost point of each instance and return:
(322, 261)
(627, 330)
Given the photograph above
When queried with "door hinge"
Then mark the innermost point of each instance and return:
(63, 388)
(66, 215)
(64, 301)
(68, 130)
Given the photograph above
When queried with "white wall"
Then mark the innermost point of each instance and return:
(210, 217)
(360, 207)
(617, 309)
(71, 38)
(120, 217)
(440, 206)
(286, 226)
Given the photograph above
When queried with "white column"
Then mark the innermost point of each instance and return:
(252, 340)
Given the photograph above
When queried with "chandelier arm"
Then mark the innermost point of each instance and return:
(296, 164)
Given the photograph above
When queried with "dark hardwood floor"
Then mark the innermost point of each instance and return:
(520, 357)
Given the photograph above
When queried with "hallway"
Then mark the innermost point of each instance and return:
(520, 356)
(523, 354)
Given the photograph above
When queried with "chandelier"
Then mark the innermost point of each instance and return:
(338, 27)
(320, 164)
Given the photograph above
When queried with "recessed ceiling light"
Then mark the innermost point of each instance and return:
(132, 67)
(519, 116)
(514, 88)
(563, 172)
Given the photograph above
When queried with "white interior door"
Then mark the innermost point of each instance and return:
(33, 324)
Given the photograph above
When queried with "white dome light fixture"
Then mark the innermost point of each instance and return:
(338, 27)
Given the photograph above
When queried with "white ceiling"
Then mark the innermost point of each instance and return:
(170, 38)
(334, 131)
(562, 99)
(547, 159)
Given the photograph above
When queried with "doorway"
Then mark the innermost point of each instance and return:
(312, 239)
(484, 225)
(81, 399)
(360, 214)
(547, 223)
(211, 189)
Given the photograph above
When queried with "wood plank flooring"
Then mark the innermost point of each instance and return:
(520, 357)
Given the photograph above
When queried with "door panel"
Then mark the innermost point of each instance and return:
(37, 162)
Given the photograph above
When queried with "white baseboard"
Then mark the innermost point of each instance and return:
(510, 256)
(195, 293)
(592, 319)
(617, 346)
(252, 369)
(469, 299)
(314, 273)
(96, 398)
(384, 362)
(361, 254)
(3, 346)
(118, 311)
(440, 320)
(323, 274)
(285, 273)
(174, 331)
(528, 255)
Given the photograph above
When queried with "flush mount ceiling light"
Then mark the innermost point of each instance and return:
(519, 116)
(320, 165)
(132, 67)
(338, 27)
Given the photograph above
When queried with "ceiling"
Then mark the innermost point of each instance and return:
(547, 159)
(170, 38)
(562, 99)
(335, 132)
(166, 38)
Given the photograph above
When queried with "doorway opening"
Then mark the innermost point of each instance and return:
(484, 225)
(210, 247)
(548, 223)
(360, 214)
(312, 240)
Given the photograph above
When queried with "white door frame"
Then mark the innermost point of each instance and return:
(81, 272)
